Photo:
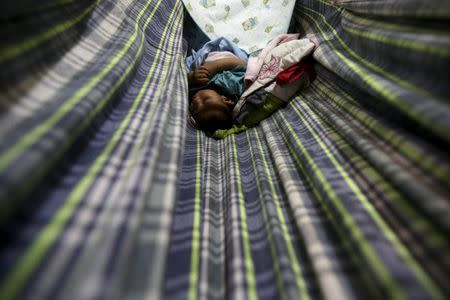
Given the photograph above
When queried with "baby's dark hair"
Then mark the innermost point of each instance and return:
(209, 120)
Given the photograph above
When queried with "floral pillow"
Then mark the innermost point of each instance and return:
(250, 24)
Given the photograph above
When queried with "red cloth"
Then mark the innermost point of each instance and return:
(296, 71)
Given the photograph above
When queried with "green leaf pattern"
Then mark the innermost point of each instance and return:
(209, 28)
(227, 12)
(207, 3)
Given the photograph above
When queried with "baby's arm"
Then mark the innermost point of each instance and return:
(205, 72)
(222, 64)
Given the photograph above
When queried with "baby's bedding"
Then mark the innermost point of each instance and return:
(248, 23)
(282, 71)
(264, 102)
(255, 61)
(278, 59)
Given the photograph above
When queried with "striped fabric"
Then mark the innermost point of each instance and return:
(107, 193)
(343, 194)
(92, 127)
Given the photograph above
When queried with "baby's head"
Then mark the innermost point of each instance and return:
(211, 110)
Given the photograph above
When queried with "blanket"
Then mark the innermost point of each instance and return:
(274, 77)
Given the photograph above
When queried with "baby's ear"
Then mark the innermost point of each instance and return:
(228, 101)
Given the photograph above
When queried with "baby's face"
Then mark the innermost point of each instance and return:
(211, 110)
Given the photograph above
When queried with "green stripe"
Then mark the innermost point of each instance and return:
(31, 137)
(370, 80)
(372, 66)
(16, 50)
(249, 270)
(387, 232)
(330, 3)
(62, 2)
(365, 247)
(387, 11)
(18, 193)
(195, 249)
(397, 41)
(398, 28)
(324, 203)
(267, 224)
(30, 260)
(292, 256)
(421, 11)
(425, 161)
(397, 199)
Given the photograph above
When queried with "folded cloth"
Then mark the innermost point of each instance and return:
(275, 61)
(254, 101)
(257, 114)
(286, 91)
(295, 72)
(255, 62)
(197, 58)
(260, 104)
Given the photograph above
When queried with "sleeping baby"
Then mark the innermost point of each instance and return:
(230, 93)
(215, 88)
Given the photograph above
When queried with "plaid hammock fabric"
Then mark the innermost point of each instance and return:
(107, 193)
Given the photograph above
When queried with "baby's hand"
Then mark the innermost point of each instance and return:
(200, 76)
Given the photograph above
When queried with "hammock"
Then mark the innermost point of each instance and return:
(107, 193)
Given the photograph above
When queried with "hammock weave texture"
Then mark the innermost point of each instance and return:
(107, 193)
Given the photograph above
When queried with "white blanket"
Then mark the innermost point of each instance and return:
(250, 24)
